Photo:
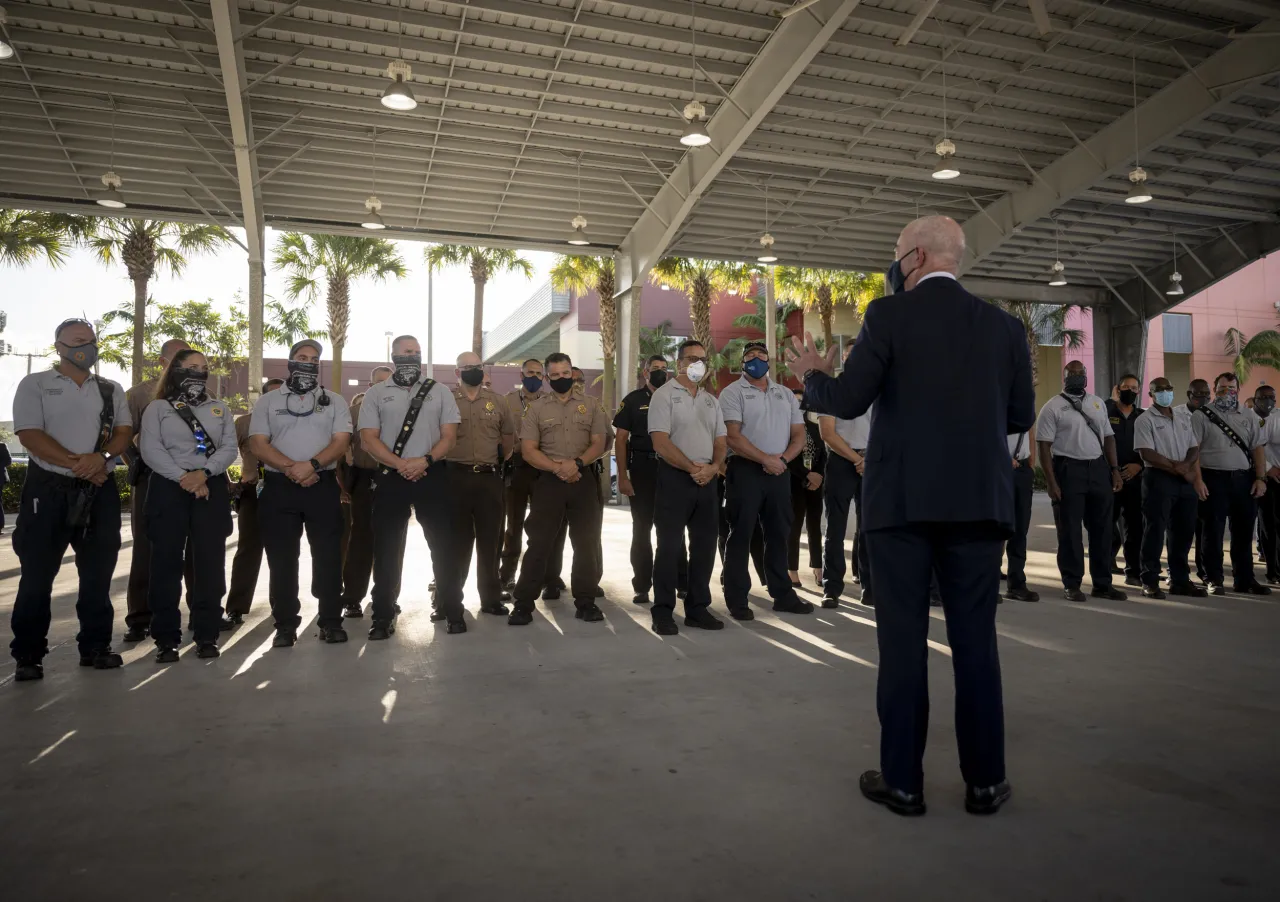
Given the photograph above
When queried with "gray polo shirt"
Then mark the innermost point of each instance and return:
(1270, 429)
(1217, 452)
(856, 432)
(693, 423)
(169, 446)
(71, 415)
(1171, 438)
(386, 403)
(1020, 446)
(766, 415)
(298, 426)
(1067, 430)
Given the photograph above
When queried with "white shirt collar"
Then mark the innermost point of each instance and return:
(935, 275)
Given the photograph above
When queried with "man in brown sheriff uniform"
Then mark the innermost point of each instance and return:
(138, 618)
(519, 485)
(357, 566)
(561, 436)
(475, 478)
(247, 563)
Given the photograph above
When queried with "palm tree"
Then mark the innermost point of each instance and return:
(699, 279)
(1263, 349)
(756, 321)
(658, 342)
(26, 237)
(148, 246)
(579, 274)
(288, 325)
(1044, 324)
(822, 290)
(343, 260)
(485, 263)
(115, 347)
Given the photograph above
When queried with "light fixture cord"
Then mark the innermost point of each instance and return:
(944, 100)
(112, 164)
(693, 35)
(1136, 163)
(579, 183)
(375, 161)
(400, 30)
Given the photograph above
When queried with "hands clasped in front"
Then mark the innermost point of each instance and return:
(566, 471)
(89, 467)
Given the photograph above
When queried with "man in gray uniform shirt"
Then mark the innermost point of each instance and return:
(300, 432)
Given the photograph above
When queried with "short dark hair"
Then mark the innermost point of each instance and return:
(577, 369)
(1204, 382)
(655, 358)
(266, 386)
(1127, 376)
(557, 357)
(686, 344)
(1264, 387)
(399, 338)
(1230, 377)
(531, 360)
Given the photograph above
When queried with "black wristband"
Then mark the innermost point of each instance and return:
(315, 464)
(581, 465)
(208, 474)
(429, 459)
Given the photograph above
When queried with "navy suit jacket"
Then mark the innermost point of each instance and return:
(950, 376)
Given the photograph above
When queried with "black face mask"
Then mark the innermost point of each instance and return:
(1127, 397)
(191, 385)
(303, 377)
(1075, 384)
(896, 278)
(563, 385)
(408, 369)
(472, 377)
(1264, 406)
(657, 378)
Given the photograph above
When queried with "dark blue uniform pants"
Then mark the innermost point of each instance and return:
(40, 539)
(753, 496)
(644, 467)
(841, 486)
(1086, 503)
(180, 525)
(966, 560)
(1016, 549)
(393, 495)
(1126, 526)
(285, 509)
(1168, 508)
(681, 504)
(1229, 499)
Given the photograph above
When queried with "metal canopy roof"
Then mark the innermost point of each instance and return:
(279, 125)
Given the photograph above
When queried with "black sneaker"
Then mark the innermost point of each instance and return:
(551, 593)
(742, 613)
(640, 598)
(333, 635)
(1252, 589)
(135, 634)
(28, 670)
(207, 650)
(867, 599)
(704, 620)
(520, 617)
(456, 626)
(380, 631)
(1132, 581)
(437, 615)
(1022, 594)
(353, 611)
(236, 619)
(598, 592)
(682, 594)
(666, 628)
(793, 606)
(226, 625)
(1073, 595)
(101, 659)
(1190, 590)
(1110, 593)
(166, 654)
(1217, 589)
(1153, 592)
(497, 610)
(284, 638)
(589, 612)
(830, 603)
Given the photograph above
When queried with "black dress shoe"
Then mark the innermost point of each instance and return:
(550, 593)
(1116, 569)
(935, 602)
(1132, 581)
(704, 620)
(796, 584)
(666, 628)
(742, 613)
(597, 592)
(135, 634)
(856, 579)
(353, 611)
(380, 631)
(498, 610)
(830, 603)
(1022, 594)
(588, 611)
(1217, 589)
(867, 598)
(508, 585)
(30, 670)
(908, 804)
(333, 635)
(986, 800)
(640, 598)
(284, 638)
(456, 626)
(237, 619)
(437, 615)
(166, 654)
(1110, 593)
(226, 625)
(207, 650)
(504, 595)
(1190, 590)
(1153, 592)
(101, 659)
(1073, 595)
(793, 606)
(520, 618)
(1273, 579)
(1253, 589)
(682, 594)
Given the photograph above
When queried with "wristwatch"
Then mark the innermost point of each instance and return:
(581, 465)
(430, 460)
(208, 474)
(315, 464)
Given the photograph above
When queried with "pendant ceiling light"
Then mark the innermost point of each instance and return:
(6, 49)
(398, 95)
(372, 206)
(111, 197)
(945, 149)
(766, 240)
(578, 237)
(1057, 272)
(695, 134)
(1175, 278)
(1139, 193)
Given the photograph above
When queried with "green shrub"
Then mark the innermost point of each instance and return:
(18, 476)
(1038, 483)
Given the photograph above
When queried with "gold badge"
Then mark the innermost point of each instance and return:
(178, 405)
(1097, 406)
(622, 405)
(216, 411)
(488, 405)
(582, 408)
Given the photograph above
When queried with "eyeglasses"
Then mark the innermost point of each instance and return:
(202, 440)
(76, 321)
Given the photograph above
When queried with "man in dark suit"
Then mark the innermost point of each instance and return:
(936, 361)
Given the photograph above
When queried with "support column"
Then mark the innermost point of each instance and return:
(1103, 371)
(257, 276)
(627, 302)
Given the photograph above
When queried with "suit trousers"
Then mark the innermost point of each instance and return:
(1169, 505)
(1016, 548)
(185, 529)
(684, 506)
(393, 495)
(752, 497)
(966, 560)
(1126, 526)
(285, 511)
(137, 613)
(644, 469)
(247, 563)
(1229, 501)
(516, 496)
(841, 487)
(806, 515)
(1086, 503)
(40, 539)
(554, 502)
(477, 523)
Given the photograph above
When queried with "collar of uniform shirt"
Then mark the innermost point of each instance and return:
(768, 382)
(936, 275)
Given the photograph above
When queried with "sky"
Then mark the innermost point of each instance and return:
(38, 297)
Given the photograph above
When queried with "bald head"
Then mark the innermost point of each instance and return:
(930, 244)
(468, 358)
(171, 347)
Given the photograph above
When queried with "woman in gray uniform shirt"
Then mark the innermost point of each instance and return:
(188, 439)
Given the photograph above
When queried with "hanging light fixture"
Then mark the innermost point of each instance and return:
(945, 149)
(766, 240)
(695, 134)
(1175, 278)
(1139, 193)
(1057, 272)
(398, 95)
(578, 237)
(372, 206)
(111, 196)
(6, 49)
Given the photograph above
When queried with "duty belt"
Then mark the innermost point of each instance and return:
(477, 468)
(646, 455)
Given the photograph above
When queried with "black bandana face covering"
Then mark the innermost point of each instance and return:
(303, 377)
(408, 369)
(191, 385)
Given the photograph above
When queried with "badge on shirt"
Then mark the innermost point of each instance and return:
(582, 408)
(621, 404)
(178, 405)
(1097, 406)
(488, 405)
(1115, 421)
(216, 411)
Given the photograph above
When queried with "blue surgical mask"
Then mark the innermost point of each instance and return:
(532, 384)
(1164, 398)
(756, 368)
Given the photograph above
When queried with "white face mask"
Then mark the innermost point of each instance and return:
(696, 371)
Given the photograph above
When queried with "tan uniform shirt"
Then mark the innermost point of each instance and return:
(484, 422)
(248, 460)
(138, 398)
(563, 429)
(359, 456)
(518, 402)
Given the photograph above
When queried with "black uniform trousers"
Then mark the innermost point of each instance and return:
(357, 569)
(247, 563)
(1268, 521)
(285, 509)
(682, 505)
(1016, 548)
(806, 514)
(842, 486)
(965, 558)
(551, 503)
(1229, 500)
(40, 539)
(722, 540)
(185, 528)
(1126, 526)
(1169, 505)
(752, 497)
(429, 496)
(516, 497)
(137, 612)
(1086, 502)
(644, 467)
(477, 523)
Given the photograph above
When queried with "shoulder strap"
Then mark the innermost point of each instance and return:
(189, 417)
(107, 422)
(1017, 451)
(410, 419)
(1212, 416)
(1078, 407)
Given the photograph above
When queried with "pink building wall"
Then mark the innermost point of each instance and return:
(1083, 319)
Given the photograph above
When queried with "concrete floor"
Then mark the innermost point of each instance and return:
(567, 761)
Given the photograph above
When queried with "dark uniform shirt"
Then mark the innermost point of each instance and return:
(633, 416)
(484, 422)
(1122, 426)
